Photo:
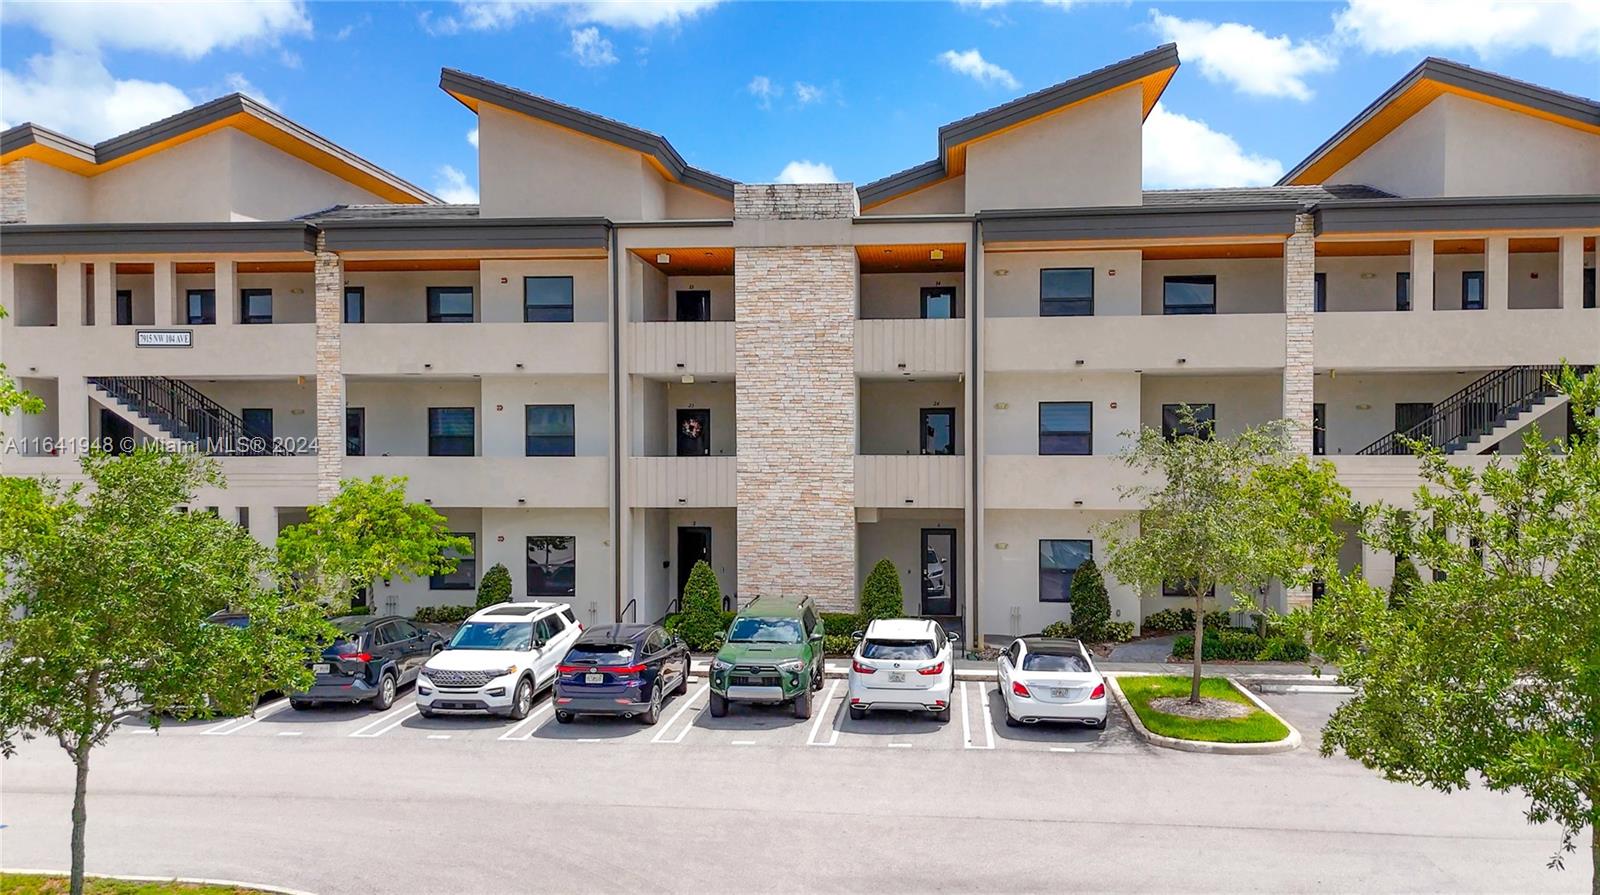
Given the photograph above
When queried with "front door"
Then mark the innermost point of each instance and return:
(694, 545)
(694, 305)
(938, 430)
(938, 571)
(694, 433)
(938, 302)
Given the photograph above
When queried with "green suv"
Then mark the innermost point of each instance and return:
(773, 653)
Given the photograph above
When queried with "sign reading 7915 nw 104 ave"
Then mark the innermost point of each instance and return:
(164, 338)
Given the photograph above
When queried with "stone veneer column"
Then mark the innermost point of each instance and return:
(14, 192)
(795, 388)
(330, 372)
(1299, 305)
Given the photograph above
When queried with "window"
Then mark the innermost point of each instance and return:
(1058, 560)
(694, 305)
(1402, 291)
(549, 300)
(450, 304)
(552, 565)
(1203, 425)
(938, 302)
(465, 576)
(1321, 300)
(355, 304)
(355, 431)
(200, 306)
(1195, 294)
(938, 430)
(450, 432)
(1588, 287)
(257, 422)
(1066, 292)
(244, 518)
(124, 307)
(1319, 429)
(550, 430)
(255, 305)
(1472, 290)
(1066, 427)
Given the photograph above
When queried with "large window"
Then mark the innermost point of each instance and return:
(1066, 427)
(1202, 423)
(124, 307)
(1320, 302)
(257, 423)
(1066, 292)
(1058, 560)
(552, 565)
(200, 306)
(450, 304)
(550, 430)
(255, 305)
(1402, 291)
(355, 431)
(465, 576)
(355, 304)
(547, 299)
(1191, 294)
(1472, 290)
(450, 432)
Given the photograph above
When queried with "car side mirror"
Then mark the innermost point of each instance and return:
(857, 635)
(536, 645)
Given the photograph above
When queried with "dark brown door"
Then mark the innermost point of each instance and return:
(694, 433)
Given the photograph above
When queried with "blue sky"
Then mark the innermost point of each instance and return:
(753, 90)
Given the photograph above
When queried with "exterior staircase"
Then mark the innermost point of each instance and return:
(1480, 416)
(179, 411)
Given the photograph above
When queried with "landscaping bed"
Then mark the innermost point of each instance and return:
(40, 884)
(1225, 716)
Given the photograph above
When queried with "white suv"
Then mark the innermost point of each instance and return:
(500, 657)
(902, 664)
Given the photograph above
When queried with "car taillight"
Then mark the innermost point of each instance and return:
(622, 669)
(568, 669)
(1017, 689)
(932, 669)
(1099, 692)
(858, 668)
(358, 657)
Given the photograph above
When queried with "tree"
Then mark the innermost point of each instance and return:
(1491, 669)
(700, 624)
(366, 532)
(1405, 581)
(495, 587)
(1232, 512)
(103, 604)
(881, 594)
(1091, 605)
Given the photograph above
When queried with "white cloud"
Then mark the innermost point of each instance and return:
(805, 94)
(451, 185)
(590, 49)
(72, 92)
(238, 83)
(472, 137)
(1180, 151)
(189, 30)
(762, 88)
(1487, 27)
(1244, 57)
(972, 64)
(806, 171)
(494, 15)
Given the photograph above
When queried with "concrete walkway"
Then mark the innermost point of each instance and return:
(1154, 649)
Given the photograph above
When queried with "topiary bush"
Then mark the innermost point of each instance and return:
(1405, 581)
(882, 596)
(1091, 605)
(701, 623)
(495, 587)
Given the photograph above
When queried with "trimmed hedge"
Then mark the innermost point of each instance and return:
(1242, 646)
(442, 615)
(838, 645)
(1168, 620)
(1110, 632)
(841, 624)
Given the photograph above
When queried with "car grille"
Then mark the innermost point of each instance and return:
(754, 676)
(458, 678)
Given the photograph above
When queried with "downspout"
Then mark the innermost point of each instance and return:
(975, 415)
(617, 410)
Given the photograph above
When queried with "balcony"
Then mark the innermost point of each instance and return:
(912, 480)
(1151, 343)
(1399, 340)
(1389, 478)
(214, 351)
(682, 481)
(893, 347)
(674, 349)
(251, 481)
(497, 482)
(460, 349)
(1024, 482)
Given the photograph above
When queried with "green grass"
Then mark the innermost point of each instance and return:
(34, 884)
(1256, 727)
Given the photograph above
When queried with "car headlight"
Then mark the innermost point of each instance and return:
(501, 672)
(792, 666)
(719, 665)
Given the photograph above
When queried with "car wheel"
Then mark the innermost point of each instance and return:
(522, 700)
(652, 714)
(683, 682)
(387, 687)
(857, 714)
(943, 715)
(1010, 721)
(816, 676)
(1098, 725)
(301, 705)
(563, 717)
(802, 705)
(719, 705)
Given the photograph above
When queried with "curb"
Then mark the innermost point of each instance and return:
(195, 880)
(1287, 744)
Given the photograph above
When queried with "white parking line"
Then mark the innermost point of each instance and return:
(229, 727)
(899, 745)
(822, 714)
(367, 732)
(966, 723)
(1062, 749)
(438, 736)
(988, 717)
(661, 736)
(743, 743)
(533, 716)
(288, 733)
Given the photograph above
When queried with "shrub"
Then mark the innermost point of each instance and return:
(442, 615)
(882, 596)
(353, 610)
(841, 624)
(1284, 649)
(495, 586)
(1183, 620)
(838, 645)
(1405, 581)
(1118, 632)
(1091, 606)
(702, 624)
(1063, 630)
(1242, 646)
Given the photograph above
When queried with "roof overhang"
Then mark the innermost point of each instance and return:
(29, 141)
(1520, 213)
(1431, 79)
(472, 91)
(453, 234)
(1134, 223)
(158, 239)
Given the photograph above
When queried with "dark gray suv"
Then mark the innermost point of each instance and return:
(372, 658)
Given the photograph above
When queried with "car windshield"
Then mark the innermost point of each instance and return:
(600, 653)
(493, 635)
(1053, 662)
(349, 624)
(765, 630)
(897, 649)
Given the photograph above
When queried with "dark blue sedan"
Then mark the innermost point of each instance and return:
(626, 670)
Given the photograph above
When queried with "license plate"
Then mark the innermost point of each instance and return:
(322, 668)
(897, 677)
(1059, 693)
(594, 677)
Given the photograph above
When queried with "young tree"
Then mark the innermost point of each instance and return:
(495, 586)
(103, 599)
(1492, 668)
(1091, 605)
(881, 594)
(700, 624)
(1232, 512)
(366, 532)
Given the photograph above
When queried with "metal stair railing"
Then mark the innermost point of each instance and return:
(1479, 408)
(187, 414)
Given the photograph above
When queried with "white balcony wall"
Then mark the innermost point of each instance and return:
(1015, 481)
(504, 409)
(673, 349)
(1244, 285)
(897, 347)
(682, 481)
(1230, 342)
(891, 413)
(1456, 340)
(504, 482)
(898, 296)
(920, 481)
(1015, 293)
(1014, 427)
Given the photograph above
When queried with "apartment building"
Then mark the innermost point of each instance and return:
(618, 363)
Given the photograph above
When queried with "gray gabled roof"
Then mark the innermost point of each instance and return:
(1246, 195)
(28, 134)
(461, 84)
(339, 213)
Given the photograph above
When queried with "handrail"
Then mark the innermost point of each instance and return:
(1475, 410)
(631, 604)
(188, 414)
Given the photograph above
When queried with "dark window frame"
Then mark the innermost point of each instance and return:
(1086, 434)
(1170, 431)
(922, 425)
(435, 441)
(245, 295)
(1319, 285)
(359, 438)
(1588, 287)
(564, 445)
(548, 313)
(682, 299)
(465, 576)
(1402, 291)
(1319, 429)
(257, 431)
(532, 590)
(1206, 279)
(437, 315)
(1066, 305)
(122, 307)
(1471, 276)
(1066, 589)
(928, 292)
(359, 293)
(208, 307)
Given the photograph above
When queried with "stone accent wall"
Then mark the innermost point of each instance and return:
(330, 373)
(14, 192)
(1299, 304)
(794, 308)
